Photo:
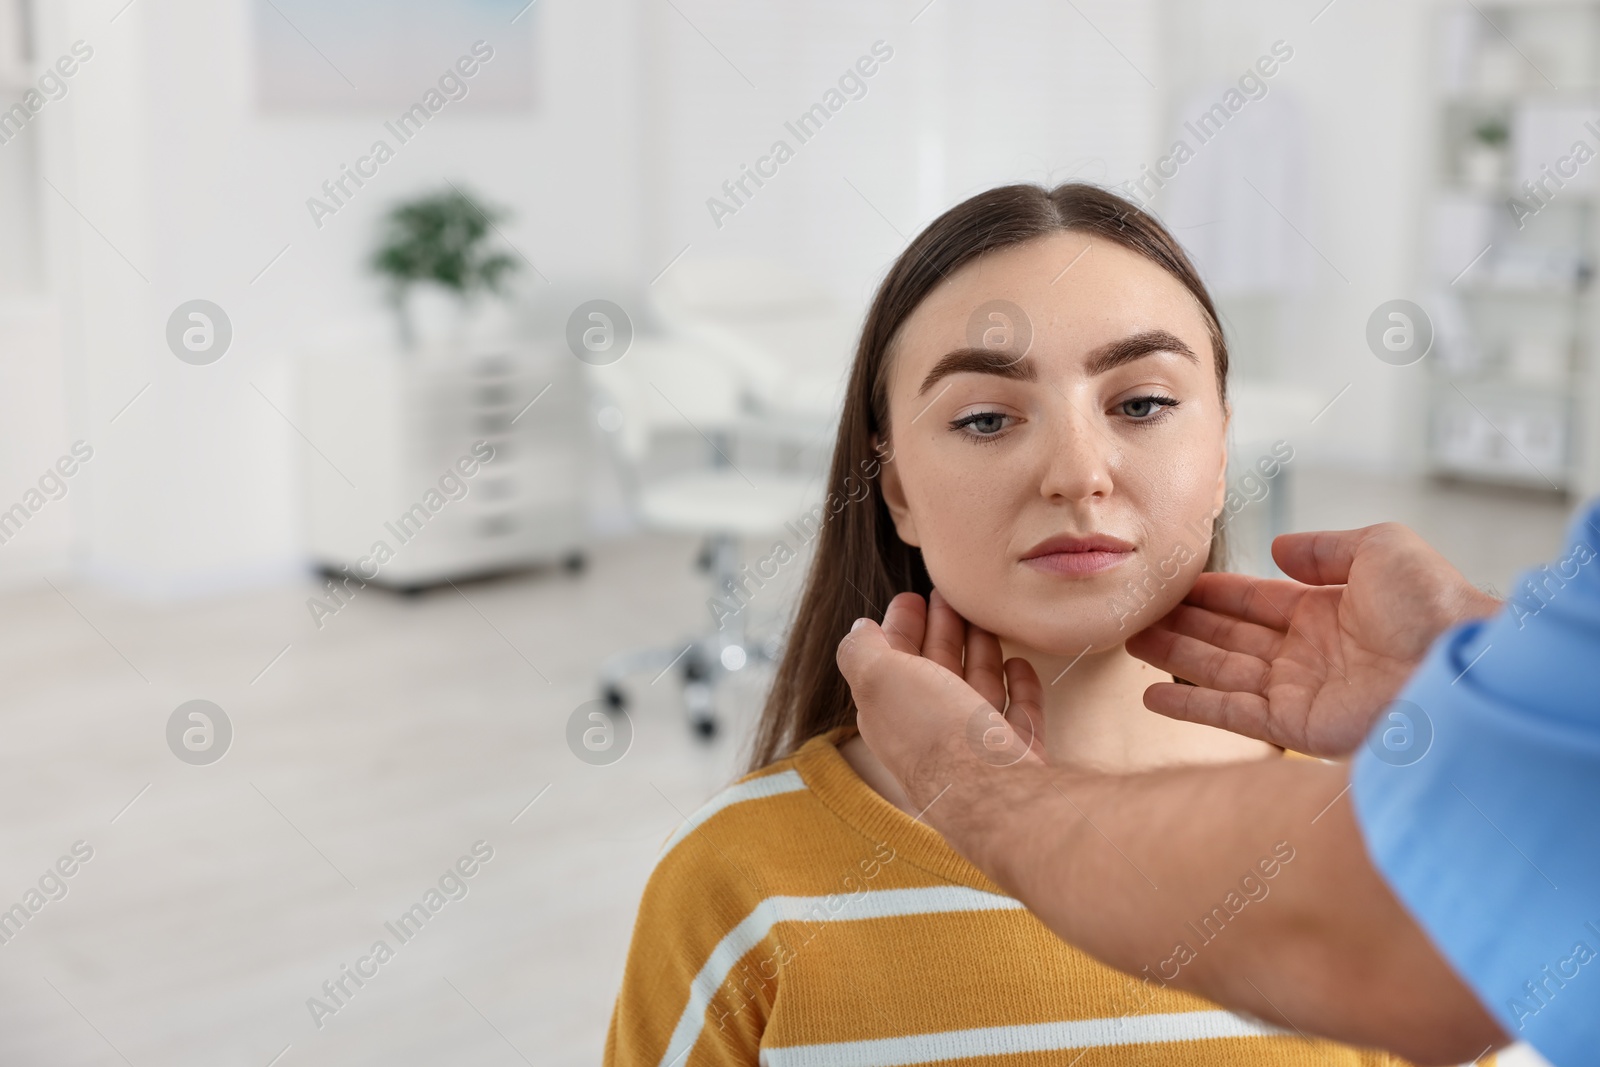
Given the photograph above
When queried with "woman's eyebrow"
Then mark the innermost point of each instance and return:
(981, 361)
(1137, 346)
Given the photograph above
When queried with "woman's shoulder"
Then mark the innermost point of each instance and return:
(762, 830)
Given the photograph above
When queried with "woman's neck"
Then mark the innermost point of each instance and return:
(1095, 720)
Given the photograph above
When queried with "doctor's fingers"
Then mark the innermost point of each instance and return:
(1224, 631)
(860, 657)
(905, 623)
(1027, 701)
(1264, 601)
(983, 666)
(1200, 661)
(946, 635)
(1240, 713)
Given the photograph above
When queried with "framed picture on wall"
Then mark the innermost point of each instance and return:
(377, 55)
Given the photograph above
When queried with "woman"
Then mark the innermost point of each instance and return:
(1037, 412)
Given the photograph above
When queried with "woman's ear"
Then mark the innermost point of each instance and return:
(894, 493)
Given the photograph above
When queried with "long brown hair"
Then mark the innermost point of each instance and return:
(860, 561)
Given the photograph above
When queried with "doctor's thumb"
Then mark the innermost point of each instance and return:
(859, 652)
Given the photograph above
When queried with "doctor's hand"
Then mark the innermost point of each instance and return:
(1308, 664)
(929, 688)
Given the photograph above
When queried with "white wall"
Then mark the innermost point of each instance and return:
(975, 95)
(33, 438)
(1361, 74)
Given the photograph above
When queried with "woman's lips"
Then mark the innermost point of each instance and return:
(1078, 563)
(1078, 556)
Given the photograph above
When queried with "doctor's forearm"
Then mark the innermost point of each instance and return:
(1247, 884)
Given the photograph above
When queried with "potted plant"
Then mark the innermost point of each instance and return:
(1484, 162)
(434, 255)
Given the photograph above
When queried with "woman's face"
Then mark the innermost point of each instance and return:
(1061, 485)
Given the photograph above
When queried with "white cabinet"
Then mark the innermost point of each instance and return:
(435, 465)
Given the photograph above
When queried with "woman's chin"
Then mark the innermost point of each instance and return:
(1049, 627)
(1056, 643)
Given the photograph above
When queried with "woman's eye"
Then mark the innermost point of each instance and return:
(1144, 407)
(982, 423)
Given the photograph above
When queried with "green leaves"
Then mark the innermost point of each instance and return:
(442, 238)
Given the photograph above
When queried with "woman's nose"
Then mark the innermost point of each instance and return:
(1080, 462)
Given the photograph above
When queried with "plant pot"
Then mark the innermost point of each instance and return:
(431, 316)
(434, 318)
(1483, 167)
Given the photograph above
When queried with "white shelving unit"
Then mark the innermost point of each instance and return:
(392, 424)
(1510, 265)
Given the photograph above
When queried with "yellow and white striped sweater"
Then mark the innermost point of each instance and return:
(799, 919)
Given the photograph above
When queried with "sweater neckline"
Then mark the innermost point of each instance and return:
(842, 791)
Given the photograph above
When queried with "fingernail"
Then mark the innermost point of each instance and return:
(858, 624)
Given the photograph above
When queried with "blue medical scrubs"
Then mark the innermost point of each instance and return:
(1478, 793)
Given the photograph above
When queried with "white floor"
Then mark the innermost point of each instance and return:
(367, 758)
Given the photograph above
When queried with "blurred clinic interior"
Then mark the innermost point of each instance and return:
(415, 421)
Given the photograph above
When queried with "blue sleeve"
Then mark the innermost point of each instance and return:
(1478, 794)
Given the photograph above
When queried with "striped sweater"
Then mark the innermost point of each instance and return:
(799, 919)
